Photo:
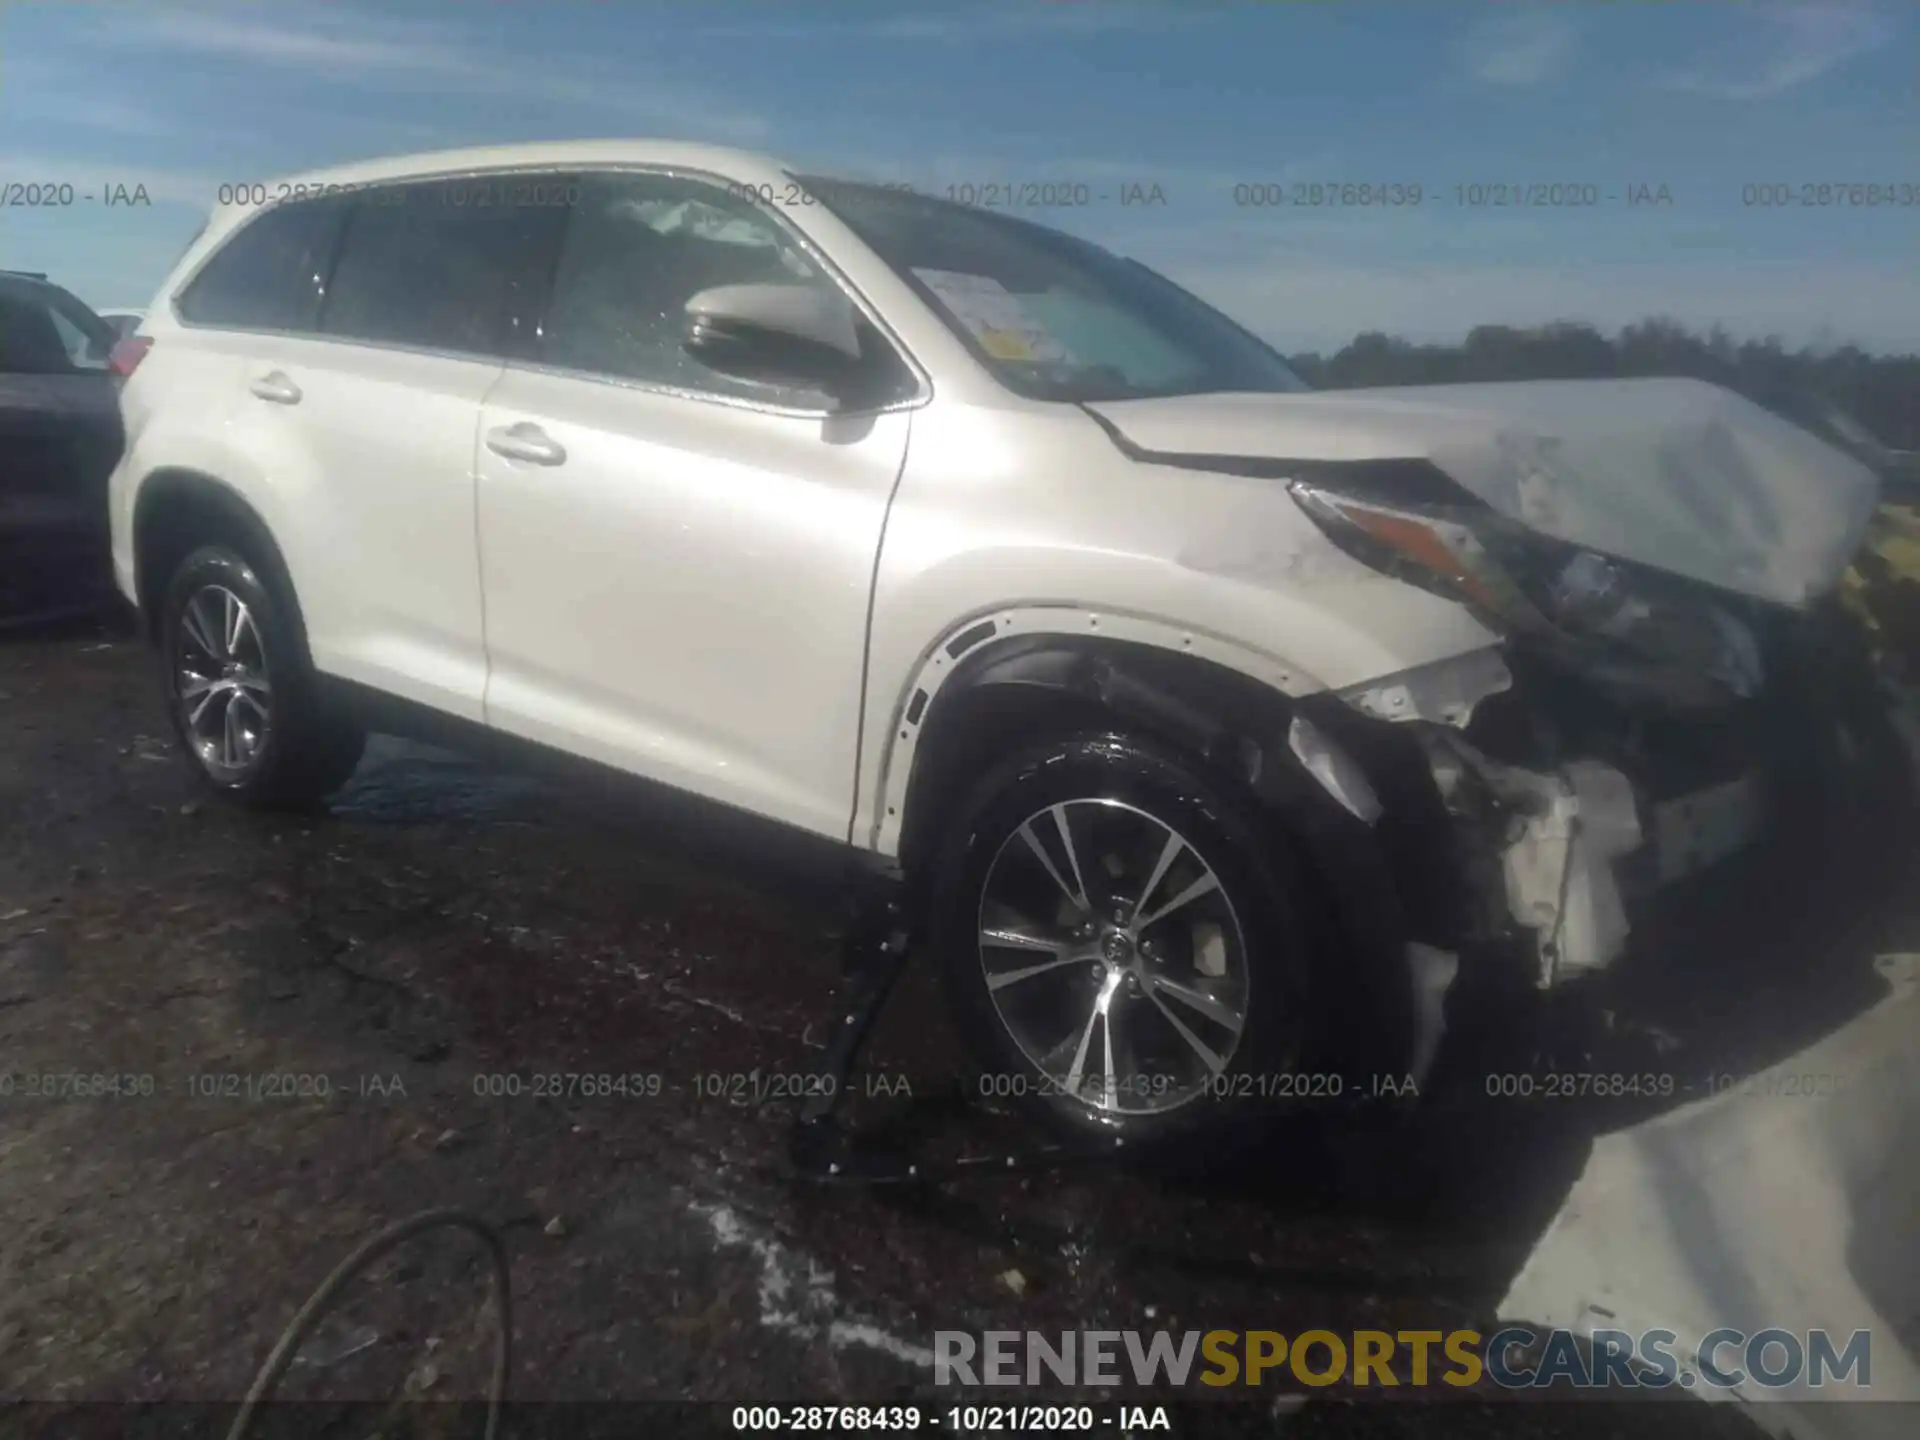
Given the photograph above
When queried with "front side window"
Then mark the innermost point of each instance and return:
(637, 249)
(455, 265)
(1055, 317)
(271, 274)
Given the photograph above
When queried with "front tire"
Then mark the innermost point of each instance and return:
(240, 692)
(1121, 937)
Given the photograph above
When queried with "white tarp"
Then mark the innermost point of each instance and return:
(1790, 1200)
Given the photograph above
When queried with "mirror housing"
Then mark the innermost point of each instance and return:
(775, 333)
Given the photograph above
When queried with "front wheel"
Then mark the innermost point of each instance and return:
(1121, 937)
(239, 691)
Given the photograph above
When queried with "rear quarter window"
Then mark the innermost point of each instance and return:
(272, 273)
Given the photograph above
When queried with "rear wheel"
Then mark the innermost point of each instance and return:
(1120, 936)
(239, 690)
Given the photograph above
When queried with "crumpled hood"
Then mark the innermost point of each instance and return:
(1676, 474)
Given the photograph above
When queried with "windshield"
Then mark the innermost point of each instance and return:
(1054, 317)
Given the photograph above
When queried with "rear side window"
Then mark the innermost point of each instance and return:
(272, 274)
(459, 265)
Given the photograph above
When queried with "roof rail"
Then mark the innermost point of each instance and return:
(26, 274)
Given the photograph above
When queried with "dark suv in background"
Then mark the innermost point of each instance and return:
(60, 438)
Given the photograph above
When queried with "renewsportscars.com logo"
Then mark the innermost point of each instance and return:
(1517, 1357)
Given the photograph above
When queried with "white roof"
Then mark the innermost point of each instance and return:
(718, 159)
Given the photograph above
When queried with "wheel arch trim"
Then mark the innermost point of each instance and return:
(985, 648)
(174, 481)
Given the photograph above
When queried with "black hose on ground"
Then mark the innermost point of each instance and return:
(330, 1290)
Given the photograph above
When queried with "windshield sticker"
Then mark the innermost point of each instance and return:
(994, 317)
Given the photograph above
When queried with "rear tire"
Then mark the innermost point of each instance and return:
(1204, 1005)
(240, 691)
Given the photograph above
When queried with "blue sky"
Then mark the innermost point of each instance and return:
(1701, 96)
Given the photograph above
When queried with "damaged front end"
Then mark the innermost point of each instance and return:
(1539, 800)
(1678, 690)
(1641, 746)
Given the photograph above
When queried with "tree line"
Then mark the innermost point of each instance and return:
(1881, 391)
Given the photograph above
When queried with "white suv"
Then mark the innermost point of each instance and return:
(1216, 725)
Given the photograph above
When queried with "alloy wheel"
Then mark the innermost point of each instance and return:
(1113, 956)
(221, 682)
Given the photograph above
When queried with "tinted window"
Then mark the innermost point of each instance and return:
(449, 265)
(272, 273)
(638, 248)
(85, 351)
(44, 331)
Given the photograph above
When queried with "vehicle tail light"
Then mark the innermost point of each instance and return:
(125, 357)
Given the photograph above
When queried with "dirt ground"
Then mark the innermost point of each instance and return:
(446, 934)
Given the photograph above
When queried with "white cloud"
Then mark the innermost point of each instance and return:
(1520, 49)
(78, 110)
(51, 91)
(1798, 43)
(972, 21)
(361, 48)
(306, 46)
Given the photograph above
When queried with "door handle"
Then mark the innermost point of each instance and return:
(275, 386)
(528, 442)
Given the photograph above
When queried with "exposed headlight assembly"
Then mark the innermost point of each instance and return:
(1577, 604)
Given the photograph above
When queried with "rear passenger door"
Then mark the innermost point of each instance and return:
(677, 562)
(367, 406)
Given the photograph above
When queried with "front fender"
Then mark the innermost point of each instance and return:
(1029, 518)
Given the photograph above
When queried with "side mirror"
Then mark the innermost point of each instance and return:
(779, 334)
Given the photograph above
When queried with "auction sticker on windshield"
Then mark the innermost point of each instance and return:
(994, 317)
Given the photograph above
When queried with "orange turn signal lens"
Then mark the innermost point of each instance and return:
(1422, 542)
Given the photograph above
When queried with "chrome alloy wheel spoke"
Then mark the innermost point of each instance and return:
(1215, 1062)
(1220, 1013)
(1100, 1015)
(1064, 950)
(1076, 893)
(232, 744)
(198, 628)
(240, 695)
(223, 690)
(1205, 885)
(1169, 853)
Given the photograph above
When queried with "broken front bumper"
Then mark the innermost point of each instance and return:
(1568, 832)
(1528, 814)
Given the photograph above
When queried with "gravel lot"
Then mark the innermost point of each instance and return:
(444, 925)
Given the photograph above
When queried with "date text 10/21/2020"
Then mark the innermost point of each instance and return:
(958, 1419)
(761, 1087)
